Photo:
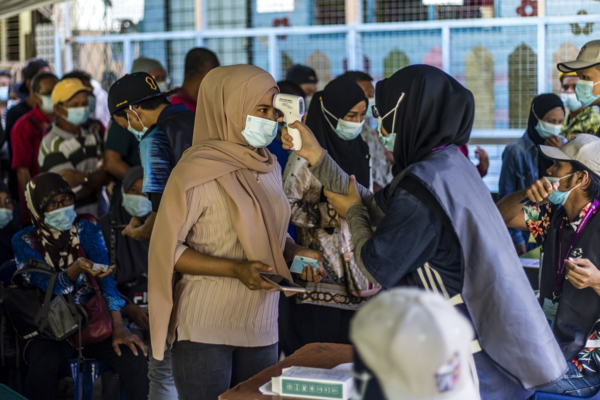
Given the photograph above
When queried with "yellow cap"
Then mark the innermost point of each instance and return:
(66, 89)
(564, 74)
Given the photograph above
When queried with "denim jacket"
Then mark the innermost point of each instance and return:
(519, 171)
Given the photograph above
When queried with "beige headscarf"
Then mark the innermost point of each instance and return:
(219, 152)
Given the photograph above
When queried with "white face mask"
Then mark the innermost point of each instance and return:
(345, 130)
(47, 104)
(138, 134)
(570, 101)
(4, 93)
(77, 115)
(162, 86)
(259, 132)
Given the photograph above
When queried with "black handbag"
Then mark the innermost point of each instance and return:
(34, 313)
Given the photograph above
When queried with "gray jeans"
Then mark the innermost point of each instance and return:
(205, 371)
(160, 374)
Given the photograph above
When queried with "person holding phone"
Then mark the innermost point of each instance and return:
(222, 221)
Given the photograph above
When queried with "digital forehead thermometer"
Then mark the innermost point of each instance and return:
(292, 108)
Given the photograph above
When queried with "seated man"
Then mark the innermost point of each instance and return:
(72, 151)
(164, 131)
(562, 216)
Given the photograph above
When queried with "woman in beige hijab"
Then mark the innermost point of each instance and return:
(223, 219)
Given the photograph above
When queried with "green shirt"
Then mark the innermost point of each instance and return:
(587, 121)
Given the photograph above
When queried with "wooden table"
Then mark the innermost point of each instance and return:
(316, 355)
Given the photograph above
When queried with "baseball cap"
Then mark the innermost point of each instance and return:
(300, 74)
(566, 75)
(131, 89)
(417, 345)
(67, 88)
(583, 149)
(31, 69)
(589, 55)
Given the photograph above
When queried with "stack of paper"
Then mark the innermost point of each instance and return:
(312, 383)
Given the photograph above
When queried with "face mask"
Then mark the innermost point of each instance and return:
(11, 103)
(61, 219)
(570, 101)
(389, 141)
(77, 115)
(307, 101)
(137, 205)
(370, 108)
(584, 91)
(6, 216)
(162, 86)
(138, 134)
(346, 130)
(557, 197)
(4, 94)
(92, 103)
(546, 129)
(259, 132)
(47, 104)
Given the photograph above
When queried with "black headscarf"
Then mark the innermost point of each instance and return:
(61, 248)
(540, 106)
(436, 110)
(339, 97)
(7, 233)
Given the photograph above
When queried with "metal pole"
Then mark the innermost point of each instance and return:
(541, 53)
(353, 18)
(58, 68)
(446, 49)
(274, 64)
(200, 20)
(127, 55)
(67, 35)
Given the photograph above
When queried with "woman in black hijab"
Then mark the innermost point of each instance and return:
(521, 163)
(438, 229)
(336, 116)
(9, 224)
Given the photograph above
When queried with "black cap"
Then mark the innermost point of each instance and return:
(300, 74)
(131, 89)
(30, 70)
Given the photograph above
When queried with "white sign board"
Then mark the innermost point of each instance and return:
(443, 2)
(272, 6)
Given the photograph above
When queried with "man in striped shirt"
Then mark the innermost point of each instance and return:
(71, 150)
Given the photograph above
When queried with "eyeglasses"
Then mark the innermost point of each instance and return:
(66, 201)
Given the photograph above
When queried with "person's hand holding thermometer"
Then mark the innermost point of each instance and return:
(292, 108)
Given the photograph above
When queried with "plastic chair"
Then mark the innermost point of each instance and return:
(92, 369)
(554, 396)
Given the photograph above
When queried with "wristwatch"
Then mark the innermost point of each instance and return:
(86, 179)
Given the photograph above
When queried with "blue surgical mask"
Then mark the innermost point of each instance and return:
(61, 219)
(137, 205)
(570, 101)
(345, 130)
(11, 103)
(584, 91)
(370, 108)
(92, 103)
(47, 104)
(547, 130)
(389, 141)
(4, 93)
(77, 115)
(558, 197)
(6, 216)
(138, 134)
(259, 132)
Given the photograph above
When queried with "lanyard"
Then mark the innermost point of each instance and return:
(560, 264)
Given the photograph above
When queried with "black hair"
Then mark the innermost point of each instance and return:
(36, 82)
(199, 61)
(593, 188)
(5, 72)
(151, 104)
(289, 87)
(81, 75)
(357, 76)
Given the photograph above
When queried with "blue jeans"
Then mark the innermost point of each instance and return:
(205, 371)
(575, 384)
(160, 374)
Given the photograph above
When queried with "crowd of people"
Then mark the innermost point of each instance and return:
(176, 202)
